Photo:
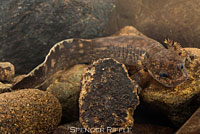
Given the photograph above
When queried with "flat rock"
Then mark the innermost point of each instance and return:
(28, 29)
(66, 87)
(29, 111)
(7, 71)
(177, 103)
(108, 96)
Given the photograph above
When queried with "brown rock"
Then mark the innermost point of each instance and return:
(28, 29)
(191, 126)
(29, 111)
(108, 96)
(177, 103)
(66, 87)
(7, 71)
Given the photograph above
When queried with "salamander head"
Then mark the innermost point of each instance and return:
(167, 67)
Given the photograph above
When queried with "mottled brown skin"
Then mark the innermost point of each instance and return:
(140, 52)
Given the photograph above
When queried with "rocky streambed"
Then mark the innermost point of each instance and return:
(104, 96)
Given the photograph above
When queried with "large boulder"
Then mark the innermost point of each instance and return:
(28, 29)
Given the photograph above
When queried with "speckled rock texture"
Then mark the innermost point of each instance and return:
(29, 111)
(108, 96)
(67, 88)
(160, 19)
(7, 71)
(179, 103)
(29, 28)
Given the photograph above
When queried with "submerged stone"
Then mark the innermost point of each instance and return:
(29, 111)
(108, 96)
(66, 88)
(29, 28)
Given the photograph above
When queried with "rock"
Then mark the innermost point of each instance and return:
(5, 88)
(159, 19)
(177, 103)
(67, 88)
(7, 71)
(108, 96)
(29, 111)
(191, 126)
(71, 128)
(28, 29)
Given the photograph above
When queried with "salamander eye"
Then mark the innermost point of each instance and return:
(182, 66)
(163, 75)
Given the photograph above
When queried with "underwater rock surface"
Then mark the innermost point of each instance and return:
(66, 88)
(29, 28)
(108, 96)
(29, 111)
